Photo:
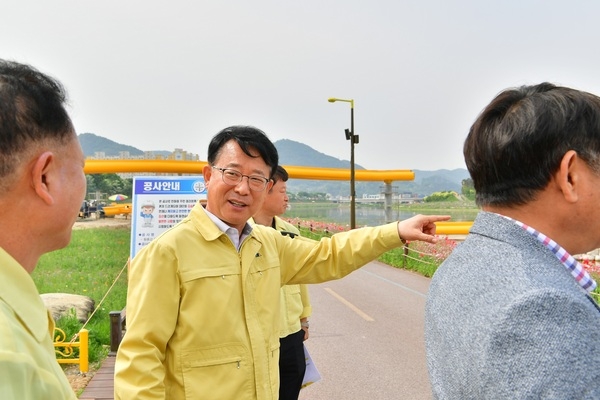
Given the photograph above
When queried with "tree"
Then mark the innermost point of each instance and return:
(468, 188)
(441, 196)
(303, 195)
(108, 184)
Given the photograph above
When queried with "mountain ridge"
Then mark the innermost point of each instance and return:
(300, 154)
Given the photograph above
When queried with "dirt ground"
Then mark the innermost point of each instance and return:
(77, 380)
(92, 222)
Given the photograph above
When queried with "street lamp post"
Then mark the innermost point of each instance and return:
(353, 140)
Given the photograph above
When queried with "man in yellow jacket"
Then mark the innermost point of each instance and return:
(295, 304)
(42, 186)
(203, 299)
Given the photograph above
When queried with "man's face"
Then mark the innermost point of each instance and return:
(276, 201)
(587, 214)
(147, 209)
(235, 204)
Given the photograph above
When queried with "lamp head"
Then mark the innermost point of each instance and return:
(334, 99)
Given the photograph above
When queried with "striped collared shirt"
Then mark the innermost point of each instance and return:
(572, 265)
(236, 237)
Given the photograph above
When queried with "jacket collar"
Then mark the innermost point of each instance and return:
(20, 293)
(212, 230)
(507, 230)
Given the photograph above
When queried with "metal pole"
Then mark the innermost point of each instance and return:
(352, 190)
(353, 139)
(388, 193)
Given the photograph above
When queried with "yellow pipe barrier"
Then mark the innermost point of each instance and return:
(340, 174)
(453, 228)
(195, 167)
(68, 349)
(163, 166)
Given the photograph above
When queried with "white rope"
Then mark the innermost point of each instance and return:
(101, 301)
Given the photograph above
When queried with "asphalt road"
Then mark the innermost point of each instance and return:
(366, 336)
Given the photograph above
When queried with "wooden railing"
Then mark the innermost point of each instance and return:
(117, 329)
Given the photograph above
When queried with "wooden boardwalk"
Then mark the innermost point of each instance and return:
(101, 386)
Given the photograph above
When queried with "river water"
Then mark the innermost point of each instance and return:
(365, 216)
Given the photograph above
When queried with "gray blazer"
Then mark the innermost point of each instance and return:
(506, 320)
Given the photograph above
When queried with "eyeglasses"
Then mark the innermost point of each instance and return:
(232, 177)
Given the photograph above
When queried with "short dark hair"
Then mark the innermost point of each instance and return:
(248, 138)
(31, 110)
(280, 175)
(520, 138)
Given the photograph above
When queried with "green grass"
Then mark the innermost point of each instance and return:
(89, 266)
(398, 258)
(423, 258)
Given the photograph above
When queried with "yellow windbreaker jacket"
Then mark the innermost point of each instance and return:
(294, 299)
(203, 319)
(28, 366)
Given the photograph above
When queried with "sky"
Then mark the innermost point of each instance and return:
(161, 75)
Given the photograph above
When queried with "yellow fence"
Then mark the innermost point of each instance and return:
(65, 350)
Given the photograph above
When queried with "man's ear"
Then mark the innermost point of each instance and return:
(269, 185)
(41, 179)
(206, 172)
(569, 175)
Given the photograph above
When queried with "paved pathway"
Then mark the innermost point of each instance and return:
(101, 386)
(366, 336)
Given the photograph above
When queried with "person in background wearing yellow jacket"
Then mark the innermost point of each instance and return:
(42, 186)
(295, 303)
(203, 298)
